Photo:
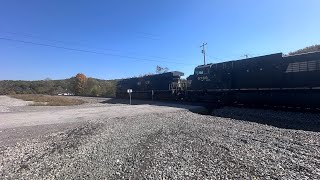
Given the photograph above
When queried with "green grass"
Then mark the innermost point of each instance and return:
(46, 100)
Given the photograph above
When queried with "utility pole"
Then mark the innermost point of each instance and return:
(204, 52)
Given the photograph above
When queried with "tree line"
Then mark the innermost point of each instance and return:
(90, 87)
(84, 86)
(78, 85)
(313, 48)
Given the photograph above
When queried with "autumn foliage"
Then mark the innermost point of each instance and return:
(80, 83)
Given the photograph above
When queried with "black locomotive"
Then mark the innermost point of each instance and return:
(274, 80)
(160, 86)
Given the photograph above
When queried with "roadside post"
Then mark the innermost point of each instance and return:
(152, 94)
(129, 91)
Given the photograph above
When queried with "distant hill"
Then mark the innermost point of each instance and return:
(95, 87)
(313, 48)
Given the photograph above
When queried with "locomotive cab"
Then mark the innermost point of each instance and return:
(202, 70)
(201, 77)
(212, 76)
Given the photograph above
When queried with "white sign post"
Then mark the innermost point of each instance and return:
(129, 91)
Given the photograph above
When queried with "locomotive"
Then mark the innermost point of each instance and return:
(160, 86)
(270, 80)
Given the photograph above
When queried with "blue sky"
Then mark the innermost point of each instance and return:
(124, 38)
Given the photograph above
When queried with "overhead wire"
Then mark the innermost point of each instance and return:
(88, 51)
(86, 46)
(213, 57)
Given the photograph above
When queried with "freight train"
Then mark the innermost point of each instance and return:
(271, 80)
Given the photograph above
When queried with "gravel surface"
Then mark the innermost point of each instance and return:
(282, 119)
(88, 112)
(165, 145)
(6, 103)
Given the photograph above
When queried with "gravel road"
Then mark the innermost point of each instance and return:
(165, 143)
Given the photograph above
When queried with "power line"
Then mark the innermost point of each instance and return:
(83, 45)
(37, 37)
(139, 34)
(87, 51)
(57, 41)
(213, 57)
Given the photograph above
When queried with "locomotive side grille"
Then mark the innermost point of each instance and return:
(312, 65)
(303, 66)
(293, 67)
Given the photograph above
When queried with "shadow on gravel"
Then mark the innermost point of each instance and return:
(306, 121)
(138, 102)
(193, 107)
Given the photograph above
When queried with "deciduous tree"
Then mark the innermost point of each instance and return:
(80, 83)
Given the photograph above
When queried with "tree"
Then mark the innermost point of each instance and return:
(48, 86)
(80, 84)
(92, 87)
(160, 69)
(308, 49)
(108, 88)
(95, 90)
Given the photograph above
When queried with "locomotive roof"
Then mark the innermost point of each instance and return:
(177, 73)
(210, 64)
(174, 73)
(253, 58)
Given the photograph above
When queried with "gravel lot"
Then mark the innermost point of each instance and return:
(6, 103)
(155, 142)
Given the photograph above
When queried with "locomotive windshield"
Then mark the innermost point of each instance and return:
(202, 70)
